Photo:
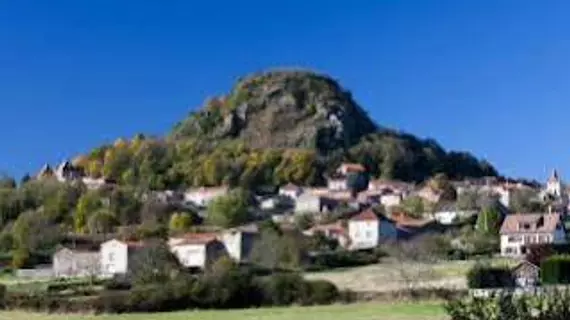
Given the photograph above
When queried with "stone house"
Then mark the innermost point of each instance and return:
(116, 256)
(367, 229)
(198, 251)
(76, 262)
(520, 230)
(526, 274)
(311, 203)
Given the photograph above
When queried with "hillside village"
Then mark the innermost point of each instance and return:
(352, 211)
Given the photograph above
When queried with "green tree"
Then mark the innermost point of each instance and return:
(87, 204)
(489, 221)
(101, 222)
(180, 222)
(230, 210)
(414, 206)
(153, 264)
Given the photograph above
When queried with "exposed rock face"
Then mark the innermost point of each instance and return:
(283, 109)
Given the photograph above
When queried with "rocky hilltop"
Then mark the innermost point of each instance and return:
(282, 109)
(270, 129)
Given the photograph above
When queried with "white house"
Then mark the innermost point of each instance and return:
(203, 196)
(198, 251)
(366, 229)
(115, 256)
(520, 230)
(391, 199)
(308, 203)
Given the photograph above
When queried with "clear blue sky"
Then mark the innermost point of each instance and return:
(490, 77)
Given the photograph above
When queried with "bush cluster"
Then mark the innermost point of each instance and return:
(555, 270)
(343, 259)
(482, 276)
(548, 305)
(232, 288)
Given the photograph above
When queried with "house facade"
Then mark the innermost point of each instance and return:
(67, 262)
(198, 253)
(526, 274)
(520, 230)
(367, 229)
(239, 242)
(116, 256)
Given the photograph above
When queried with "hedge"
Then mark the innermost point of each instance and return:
(555, 270)
(481, 276)
(233, 289)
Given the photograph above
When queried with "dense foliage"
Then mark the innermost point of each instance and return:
(485, 276)
(549, 305)
(555, 270)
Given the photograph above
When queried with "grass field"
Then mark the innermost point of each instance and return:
(390, 275)
(399, 311)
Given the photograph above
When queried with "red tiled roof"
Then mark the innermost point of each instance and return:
(530, 223)
(366, 215)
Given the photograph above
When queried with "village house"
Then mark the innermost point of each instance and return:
(410, 227)
(367, 229)
(339, 180)
(204, 195)
(198, 250)
(116, 256)
(520, 230)
(526, 274)
(310, 203)
(79, 261)
(240, 241)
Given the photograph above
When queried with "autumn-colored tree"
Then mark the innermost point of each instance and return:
(180, 222)
(87, 204)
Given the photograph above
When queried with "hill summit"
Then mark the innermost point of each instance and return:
(282, 109)
(273, 128)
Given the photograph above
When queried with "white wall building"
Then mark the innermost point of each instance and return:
(520, 230)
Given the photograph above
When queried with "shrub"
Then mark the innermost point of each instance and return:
(481, 276)
(556, 270)
(550, 305)
(342, 259)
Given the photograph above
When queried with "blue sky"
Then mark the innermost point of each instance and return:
(490, 77)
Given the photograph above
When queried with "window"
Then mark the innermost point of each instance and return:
(111, 257)
(369, 234)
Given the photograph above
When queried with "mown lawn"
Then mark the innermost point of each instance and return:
(368, 311)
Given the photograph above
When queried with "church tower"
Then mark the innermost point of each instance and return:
(554, 184)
